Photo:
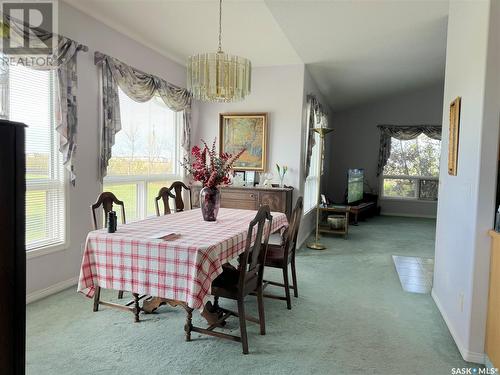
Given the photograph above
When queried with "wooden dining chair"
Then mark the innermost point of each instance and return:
(282, 255)
(164, 194)
(236, 283)
(107, 200)
(177, 187)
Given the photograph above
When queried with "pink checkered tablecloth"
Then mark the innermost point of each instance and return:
(182, 269)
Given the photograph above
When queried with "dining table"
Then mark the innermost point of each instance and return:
(171, 258)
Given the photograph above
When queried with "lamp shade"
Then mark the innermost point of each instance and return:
(219, 77)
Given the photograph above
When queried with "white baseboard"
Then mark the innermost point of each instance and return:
(42, 293)
(407, 215)
(467, 355)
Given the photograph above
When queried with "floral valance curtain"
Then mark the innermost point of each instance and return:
(140, 87)
(403, 133)
(63, 61)
(316, 117)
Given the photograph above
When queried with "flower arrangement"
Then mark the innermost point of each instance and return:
(281, 172)
(208, 167)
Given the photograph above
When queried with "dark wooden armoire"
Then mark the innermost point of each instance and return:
(12, 248)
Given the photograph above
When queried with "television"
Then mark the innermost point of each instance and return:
(355, 182)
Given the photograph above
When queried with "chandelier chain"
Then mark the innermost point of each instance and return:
(219, 77)
(220, 25)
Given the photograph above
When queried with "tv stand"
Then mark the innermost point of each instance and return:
(340, 210)
(366, 207)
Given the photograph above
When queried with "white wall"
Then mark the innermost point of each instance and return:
(466, 204)
(281, 92)
(277, 91)
(356, 139)
(61, 268)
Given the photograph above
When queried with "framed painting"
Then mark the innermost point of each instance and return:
(454, 136)
(248, 131)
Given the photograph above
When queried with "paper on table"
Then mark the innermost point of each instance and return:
(166, 236)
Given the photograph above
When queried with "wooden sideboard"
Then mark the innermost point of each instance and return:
(251, 198)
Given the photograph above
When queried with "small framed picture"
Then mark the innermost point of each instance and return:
(455, 107)
(323, 200)
(249, 178)
(239, 178)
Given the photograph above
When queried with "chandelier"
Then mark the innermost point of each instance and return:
(218, 76)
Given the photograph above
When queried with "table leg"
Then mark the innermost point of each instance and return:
(346, 225)
(137, 308)
(210, 312)
(97, 297)
(189, 325)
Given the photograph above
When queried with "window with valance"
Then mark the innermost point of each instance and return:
(409, 162)
(146, 123)
(316, 117)
(41, 93)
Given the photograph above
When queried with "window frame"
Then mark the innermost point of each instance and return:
(313, 176)
(64, 245)
(45, 247)
(417, 189)
(141, 181)
(417, 198)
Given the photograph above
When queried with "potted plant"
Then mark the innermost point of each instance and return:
(212, 170)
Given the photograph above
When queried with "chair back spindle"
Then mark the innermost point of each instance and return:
(177, 187)
(251, 264)
(290, 244)
(164, 194)
(106, 200)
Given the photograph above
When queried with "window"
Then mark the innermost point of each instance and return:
(412, 170)
(31, 101)
(146, 155)
(312, 181)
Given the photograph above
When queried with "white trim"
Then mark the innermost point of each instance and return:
(407, 200)
(41, 251)
(313, 208)
(48, 246)
(408, 177)
(416, 198)
(407, 215)
(61, 246)
(53, 289)
(467, 355)
(117, 180)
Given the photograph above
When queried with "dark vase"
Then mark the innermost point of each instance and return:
(210, 203)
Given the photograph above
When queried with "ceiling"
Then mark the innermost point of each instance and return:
(356, 50)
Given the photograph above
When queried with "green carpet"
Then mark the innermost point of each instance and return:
(351, 317)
